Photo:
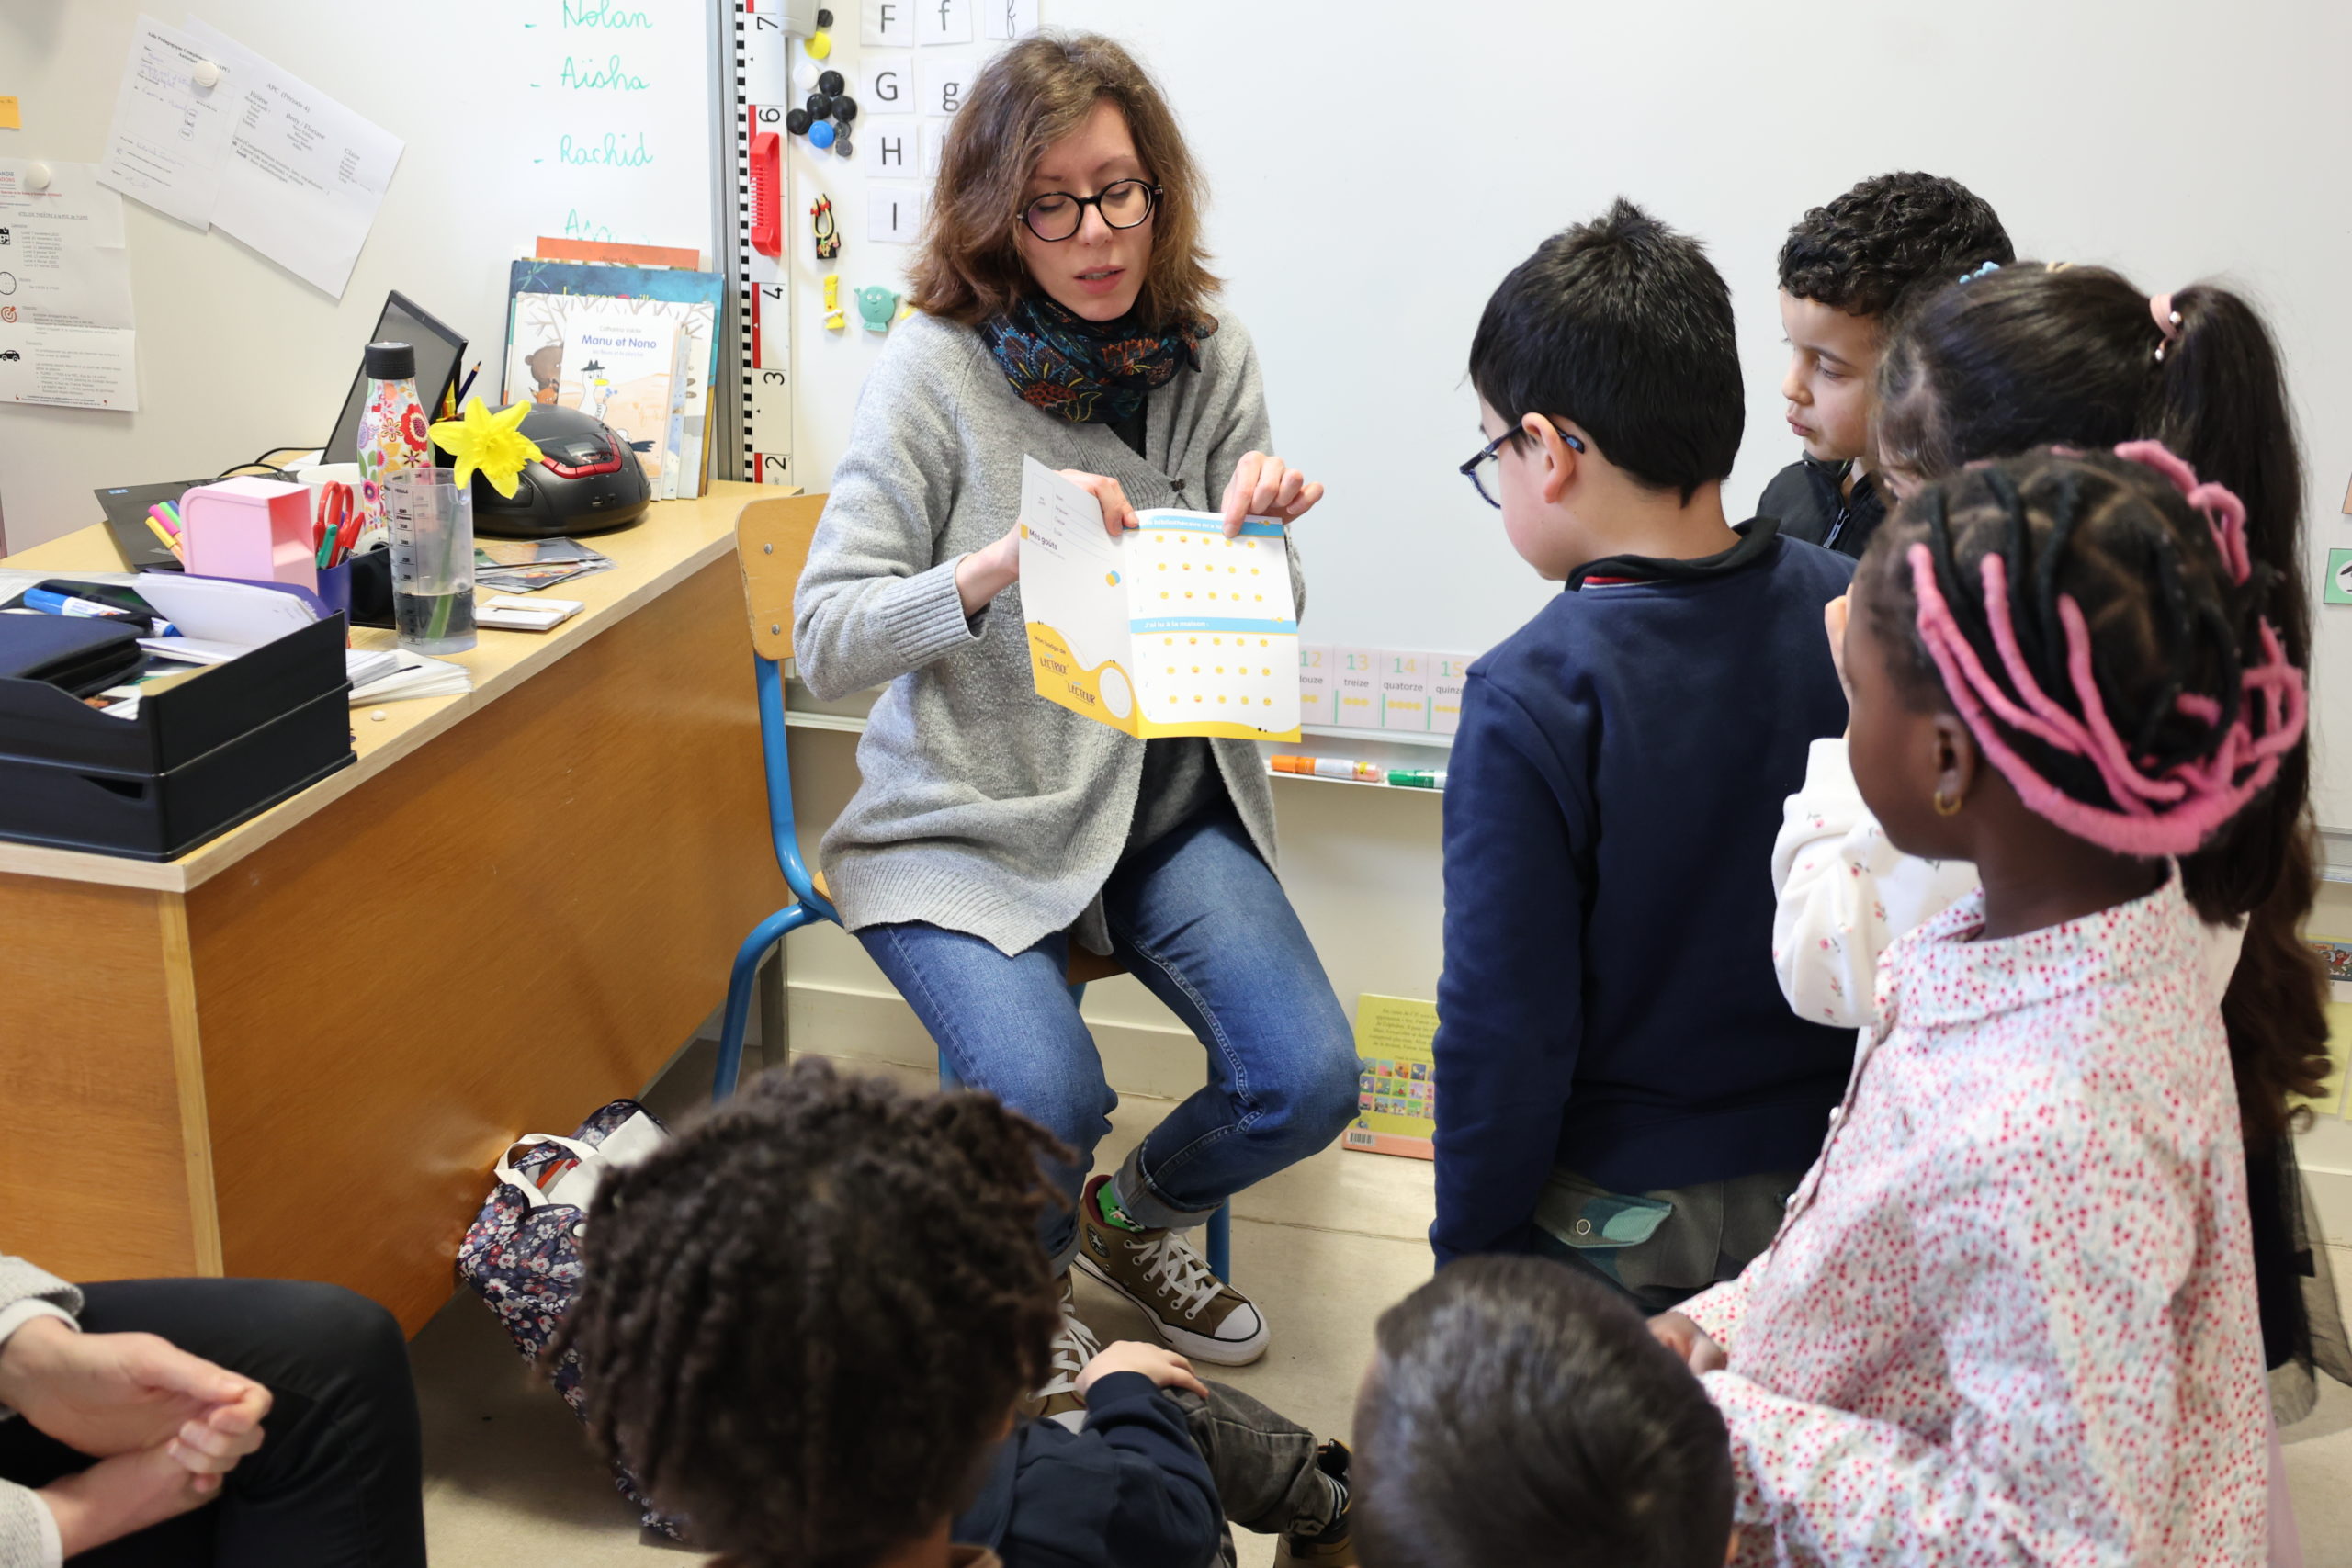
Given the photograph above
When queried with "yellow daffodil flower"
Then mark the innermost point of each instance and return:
(492, 443)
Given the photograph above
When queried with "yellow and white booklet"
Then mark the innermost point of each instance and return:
(1170, 629)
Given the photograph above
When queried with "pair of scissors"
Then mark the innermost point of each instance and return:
(336, 521)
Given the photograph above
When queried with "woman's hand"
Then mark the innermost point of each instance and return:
(1689, 1341)
(1265, 486)
(114, 1393)
(123, 1495)
(988, 571)
(1117, 515)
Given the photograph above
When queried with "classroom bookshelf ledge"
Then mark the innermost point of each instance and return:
(1388, 750)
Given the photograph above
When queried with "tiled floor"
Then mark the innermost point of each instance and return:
(1324, 1247)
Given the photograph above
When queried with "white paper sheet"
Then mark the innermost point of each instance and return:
(66, 322)
(304, 175)
(170, 136)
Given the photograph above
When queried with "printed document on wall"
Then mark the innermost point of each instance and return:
(304, 175)
(65, 320)
(171, 133)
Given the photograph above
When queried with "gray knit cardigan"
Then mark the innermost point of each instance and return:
(981, 807)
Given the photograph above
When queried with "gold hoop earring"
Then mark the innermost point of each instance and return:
(1947, 804)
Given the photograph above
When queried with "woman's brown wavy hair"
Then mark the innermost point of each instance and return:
(1027, 99)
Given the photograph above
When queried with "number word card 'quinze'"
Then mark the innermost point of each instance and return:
(1169, 629)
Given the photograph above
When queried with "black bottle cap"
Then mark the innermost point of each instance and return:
(391, 362)
(844, 110)
(831, 82)
(824, 19)
(797, 122)
(820, 105)
(842, 149)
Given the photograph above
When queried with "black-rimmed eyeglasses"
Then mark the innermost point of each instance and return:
(1124, 204)
(1471, 471)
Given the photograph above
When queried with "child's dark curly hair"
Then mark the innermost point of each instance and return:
(802, 1320)
(1889, 235)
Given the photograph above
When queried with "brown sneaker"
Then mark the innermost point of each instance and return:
(1332, 1546)
(1073, 1347)
(1194, 1311)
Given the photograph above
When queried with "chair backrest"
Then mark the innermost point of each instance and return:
(771, 541)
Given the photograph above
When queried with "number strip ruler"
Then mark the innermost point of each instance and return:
(761, 284)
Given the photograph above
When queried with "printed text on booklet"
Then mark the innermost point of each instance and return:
(1170, 629)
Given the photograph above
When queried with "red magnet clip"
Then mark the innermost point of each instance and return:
(767, 195)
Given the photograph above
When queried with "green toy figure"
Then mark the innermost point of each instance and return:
(874, 306)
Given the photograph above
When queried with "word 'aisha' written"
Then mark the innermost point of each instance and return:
(589, 75)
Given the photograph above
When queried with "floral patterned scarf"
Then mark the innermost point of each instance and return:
(1088, 372)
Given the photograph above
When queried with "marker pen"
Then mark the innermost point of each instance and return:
(1328, 768)
(51, 604)
(1418, 778)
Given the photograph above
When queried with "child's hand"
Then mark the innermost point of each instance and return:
(1833, 621)
(1685, 1339)
(1265, 486)
(1161, 1365)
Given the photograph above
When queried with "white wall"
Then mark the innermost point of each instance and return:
(237, 356)
(1375, 169)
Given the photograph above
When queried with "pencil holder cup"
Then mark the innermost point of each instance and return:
(334, 590)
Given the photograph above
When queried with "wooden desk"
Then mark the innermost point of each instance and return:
(298, 1050)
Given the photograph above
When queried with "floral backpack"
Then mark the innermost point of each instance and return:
(522, 1254)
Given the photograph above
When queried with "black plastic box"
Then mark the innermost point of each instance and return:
(199, 758)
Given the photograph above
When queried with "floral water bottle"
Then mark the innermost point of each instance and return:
(392, 433)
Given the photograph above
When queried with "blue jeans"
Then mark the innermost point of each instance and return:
(1200, 920)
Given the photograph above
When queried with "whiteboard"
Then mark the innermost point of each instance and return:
(521, 118)
(1376, 168)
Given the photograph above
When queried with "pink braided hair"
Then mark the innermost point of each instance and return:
(2172, 812)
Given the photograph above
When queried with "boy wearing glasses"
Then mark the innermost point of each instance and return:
(1619, 1081)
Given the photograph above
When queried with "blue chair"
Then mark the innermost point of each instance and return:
(772, 540)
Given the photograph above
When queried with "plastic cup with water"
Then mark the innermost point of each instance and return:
(432, 520)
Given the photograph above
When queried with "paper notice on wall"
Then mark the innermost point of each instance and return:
(304, 175)
(65, 320)
(172, 118)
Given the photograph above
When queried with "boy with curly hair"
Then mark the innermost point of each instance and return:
(1845, 268)
(809, 1322)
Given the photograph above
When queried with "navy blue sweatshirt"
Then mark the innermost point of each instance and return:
(1126, 1490)
(1609, 1003)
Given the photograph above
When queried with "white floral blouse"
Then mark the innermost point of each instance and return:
(2010, 1315)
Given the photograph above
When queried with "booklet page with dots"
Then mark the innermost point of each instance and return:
(1169, 629)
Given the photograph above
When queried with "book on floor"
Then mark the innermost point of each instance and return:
(1397, 1078)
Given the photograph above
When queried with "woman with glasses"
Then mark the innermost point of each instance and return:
(1063, 301)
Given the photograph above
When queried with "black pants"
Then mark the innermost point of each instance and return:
(337, 1481)
(1264, 1463)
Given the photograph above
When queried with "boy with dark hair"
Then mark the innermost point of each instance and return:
(1516, 1412)
(1844, 270)
(808, 1323)
(1619, 1081)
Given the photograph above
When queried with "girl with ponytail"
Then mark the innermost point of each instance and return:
(2010, 1315)
(2027, 355)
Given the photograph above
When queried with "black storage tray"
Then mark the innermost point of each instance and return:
(276, 720)
(42, 723)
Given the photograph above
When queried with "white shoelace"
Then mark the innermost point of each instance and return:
(1073, 1347)
(1170, 1263)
